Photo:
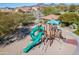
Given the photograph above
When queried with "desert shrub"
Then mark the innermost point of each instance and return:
(9, 21)
(77, 31)
(69, 18)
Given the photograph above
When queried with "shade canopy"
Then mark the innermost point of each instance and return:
(53, 22)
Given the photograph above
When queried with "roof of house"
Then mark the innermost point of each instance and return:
(24, 9)
(51, 16)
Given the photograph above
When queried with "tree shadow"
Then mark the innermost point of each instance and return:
(22, 33)
(10, 38)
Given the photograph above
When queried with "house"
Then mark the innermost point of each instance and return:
(23, 9)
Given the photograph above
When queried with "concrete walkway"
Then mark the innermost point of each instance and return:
(76, 38)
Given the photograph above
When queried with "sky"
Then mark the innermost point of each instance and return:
(13, 5)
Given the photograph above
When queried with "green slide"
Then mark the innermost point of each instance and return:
(35, 38)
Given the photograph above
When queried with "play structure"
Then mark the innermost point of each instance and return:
(36, 38)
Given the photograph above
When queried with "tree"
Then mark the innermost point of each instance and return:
(49, 10)
(62, 7)
(72, 8)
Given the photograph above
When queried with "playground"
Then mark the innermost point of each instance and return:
(56, 41)
(40, 35)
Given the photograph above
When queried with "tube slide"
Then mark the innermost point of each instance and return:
(35, 39)
(37, 28)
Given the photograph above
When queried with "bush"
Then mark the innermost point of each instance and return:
(9, 21)
(49, 10)
(69, 18)
(77, 32)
